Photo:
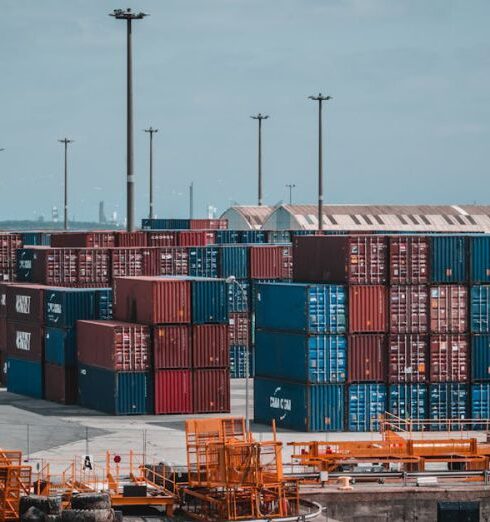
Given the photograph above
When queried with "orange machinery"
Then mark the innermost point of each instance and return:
(15, 480)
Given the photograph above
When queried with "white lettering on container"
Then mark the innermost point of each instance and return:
(23, 341)
(25, 263)
(280, 404)
(54, 308)
(23, 304)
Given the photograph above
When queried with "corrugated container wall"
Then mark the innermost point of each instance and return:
(25, 341)
(164, 224)
(83, 239)
(449, 309)
(223, 237)
(407, 358)
(367, 309)
(480, 357)
(408, 401)
(94, 267)
(209, 301)
(448, 259)
(203, 261)
(210, 346)
(449, 358)
(25, 303)
(128, 262)
(367, 402)
(479, 259)
(239, 297)
(409, 309)
(165, 238)
(25, 377)
(173, 391)
(480, 309)
(60, 384)
(447, 401)
(211, 391)
(171, 261)
(103, 303)
(131, 239)
(171, 347)
(63, 307)
(270, 262)
(253, 236)
(234, 262)
(238, 362)
(409, 260)
(480, 405)
(367, 358)
(208, 224)
(239, 328)
(279, 236)
(60, 346)
(196, 238)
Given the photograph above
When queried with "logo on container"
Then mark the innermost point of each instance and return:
(54, 308)
(26, 264)
(23, 304)
(23, 341)
(280, 403)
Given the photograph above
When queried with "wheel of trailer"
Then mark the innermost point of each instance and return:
(48, 505)
(88, 515)
(91, 501)
(33, 514)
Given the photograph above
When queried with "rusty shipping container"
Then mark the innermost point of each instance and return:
(239, 329)
(409, 260)
(271, 262)
(191, 238)
(163, 238)
(409, 309)
(127, 262)
(367, 309)
(210, 346)
(94, 239)
(407, 359)
(120, 347)
(137, 238)
(49, 266)
(449, 358)
(3, 368)
(170, 261)
(9, 243)
(173, 391)
(152, 300)
(366, 358)
(3, 334)
(208, 224)
(60, 383)
(354, 259)
(211, 391)
(25, 341)
(3, 297)
(171, 347)
(25, 303)
(449, 309)
(94, 267)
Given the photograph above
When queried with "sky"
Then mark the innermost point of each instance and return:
(408, 122)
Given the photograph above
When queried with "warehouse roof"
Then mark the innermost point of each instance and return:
(243, 217)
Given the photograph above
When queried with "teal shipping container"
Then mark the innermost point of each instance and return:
(480, 405)
(447, 401)
(448, 259)
(300, 407)
(308, 308)
(480, 309)
(209, 300)
(234, 262)
(253, 236)
(204, 261)
(480, 357)
(60, 346)
(239, 297)
(227, 237)
(103, 304)
(63, 307)
(314, 359)
(408, 401)
(479, 259)
(25, 377)
(367, 402)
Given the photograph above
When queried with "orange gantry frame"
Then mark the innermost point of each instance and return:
(15, 480)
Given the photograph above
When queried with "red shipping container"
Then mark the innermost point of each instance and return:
(127, 262)
(9, 243)
(173, 391)
(239, 330)
(367, 309)
(409, 309)
(171, 347)
(208, 224)
(409, 260)
(196, 238)
(3, 297)
(449, 358)
(60, 384)
(116, 346)
(271, 262)
(366, 358)
(3, 334)
(3, 368)
(407, 359)
(210, 346)
(131, 239)
(94, 239)
(55, 266)
(25, 341)
(354, 259)
(211, 391)
(171, 261)
(165, 238)
(25, 303)
(449, 309)
(94, 267)
(152, 300)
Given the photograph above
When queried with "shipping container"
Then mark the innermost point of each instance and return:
(95, 239)
(409, 401)
(36, 238)
(367, 356)
(300, 407)
(137, 238)
(173, 391)
(3, 297)
(94, 267)
(278, 236)
(171, 261)
(164, 238)
(123, 347)
(367, 403)
(204, 261)
(239, 328)
(447, 401)
(23, 265)
(171, 347)
(448, 259)
(63, 307)
(60, 384)
(165, 224)
(480, 357)
(49, 266)
(209, 300)
(270, 262)
(60, 346)
(210, 346)
(409, 260)
(25, 341)
(152, 300)
(208, 224)
(25, 377)
(359, 259)
(253, 236)
(303, 308)
(118, 393)
(449, 358)
(127, 262)
(234, 262)
(479, 259)
(314, 359)
(239, 297)
(9, 244)
(211, 391)
(3, 368)
(480, 405)
(480, 309)
(103, 303)
(407, 359)
(409, 309)
(367, 309)
(238, 362)
(227, 237)
(25, 303)
(192, 238)
(3, 334)
(449, 309)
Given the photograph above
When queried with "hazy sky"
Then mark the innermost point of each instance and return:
(409, 122)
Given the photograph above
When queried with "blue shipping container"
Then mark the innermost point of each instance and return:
(209, 301)
(367, 402)
(448, 259)
(63, 307)
(223, 237)
(234, 262)
(447, 401)
(480, 259)
(24, 260)
(203, 261)
(408, 401)
(480, 309)
(279, 236)
(119, 393)
(480, 404)
(301, 307)
(60, 346)
(25, 377)
(239, 298)
(252, 236)
(315, 359)
(165, 224)
(103, 303)
(300, 407)
(480, 357)
(36, 238)
(237, 362)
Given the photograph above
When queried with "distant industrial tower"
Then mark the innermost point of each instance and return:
(102, 218)
(54, 214)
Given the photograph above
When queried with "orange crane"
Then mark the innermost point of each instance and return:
(15, 480)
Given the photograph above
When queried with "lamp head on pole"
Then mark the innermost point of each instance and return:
(260, 117)
(121, 14)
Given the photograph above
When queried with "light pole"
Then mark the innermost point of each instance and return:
(259, 118)
(151, 131)
(233, 281)
(320, 98)
(66, 141)
(290, 187)
(191, 200)
(129, 16)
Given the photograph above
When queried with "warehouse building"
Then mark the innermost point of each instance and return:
(247, 217)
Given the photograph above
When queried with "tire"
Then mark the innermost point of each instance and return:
(33, 514)
(52, 518)
(48, 505)
(88, 515)
(91, 501)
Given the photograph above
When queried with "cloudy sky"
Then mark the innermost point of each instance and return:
(409, 122)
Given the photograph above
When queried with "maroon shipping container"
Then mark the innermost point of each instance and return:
(449, 358)
(127, 262)
(55, 266)
(25, 341)
(409, 260)
(9, 243)
(407, 358)
(210, 346)
(208, 224)
(211, 391)
(409, 309)
(173, 391)
(152, 300)
(366, 358)
(448, 309)
(3, 334)
(116, 346)
(3, 368)
(165, 238)
(367, 309)
(3, 297)
(94, 267)
(25, 303)
(271, 262)
(131, 239)
(354, 259)
(170, 261)
(239, 330)
(60, 384)
(94, 239)
(171, 347)
(196, 238)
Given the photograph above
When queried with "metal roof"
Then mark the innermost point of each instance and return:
(255, 215)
